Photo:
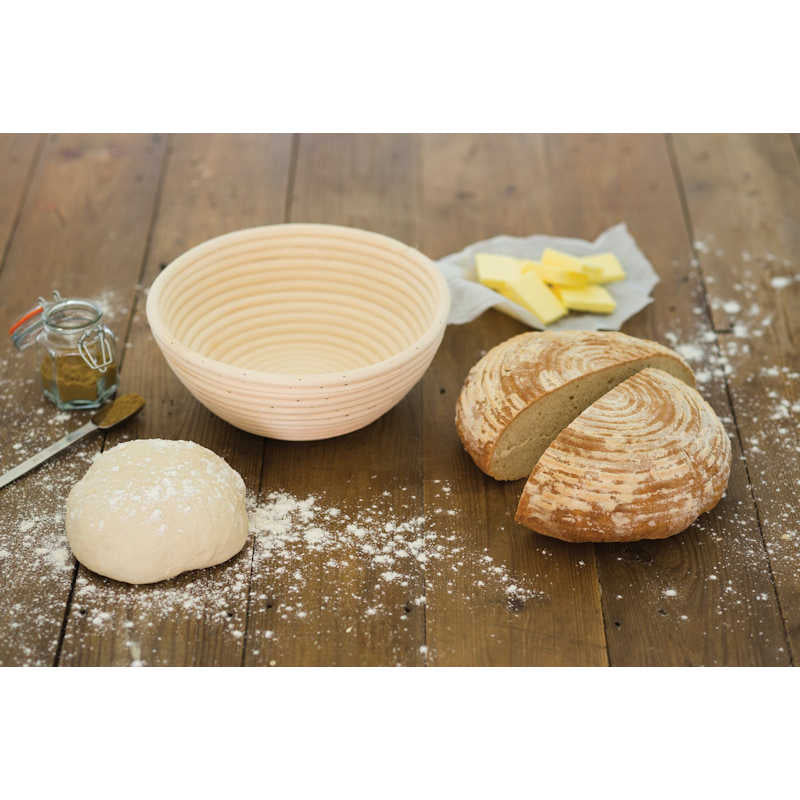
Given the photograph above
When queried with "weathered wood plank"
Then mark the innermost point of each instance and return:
(340, 611)
(743, 193)
(84, 227)
(474, 187)
(708, 620)
(83, 230)
(662, 605)
(578, 186)
(795, 137)
(212, 185)
(18, 154)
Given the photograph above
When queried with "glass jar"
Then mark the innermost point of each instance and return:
(77, 360)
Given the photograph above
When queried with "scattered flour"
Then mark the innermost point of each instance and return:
(780, 282)
(113, 303)
(731, 307)
(376, 563)
(306, 562)
(59, 558)
(691, 352)
(309, 552)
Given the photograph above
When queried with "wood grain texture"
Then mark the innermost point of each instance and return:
(212, 185)
(474, 187)
(369, 182)
(100, 214)
(83, 230)
(743, 195)
(18, 156)
(600, 181)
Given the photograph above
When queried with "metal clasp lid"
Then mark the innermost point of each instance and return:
(106, 353)
(24, 331)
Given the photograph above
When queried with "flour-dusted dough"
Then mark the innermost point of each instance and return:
(150, 509)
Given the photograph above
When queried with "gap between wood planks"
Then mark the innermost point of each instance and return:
(687, 220)
(23, 198)
(794, 138)
(287, 216)
(121, 351)
(287, 206)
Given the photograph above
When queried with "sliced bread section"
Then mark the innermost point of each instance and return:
(526, 390)
(642, 462)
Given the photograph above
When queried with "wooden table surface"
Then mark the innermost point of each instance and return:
(718, 216)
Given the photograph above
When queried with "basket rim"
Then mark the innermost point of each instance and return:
(168, 341)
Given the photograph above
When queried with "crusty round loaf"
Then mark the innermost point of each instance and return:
(642, 462)
(526, 390)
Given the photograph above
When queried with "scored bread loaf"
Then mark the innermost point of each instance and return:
(526, 390)
(642, 462)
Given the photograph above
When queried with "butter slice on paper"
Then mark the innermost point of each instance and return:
(497, 272)
(555, 258)
(595, 299)
(600, 268)
(608, 263)
(530, 292)
(558, 275)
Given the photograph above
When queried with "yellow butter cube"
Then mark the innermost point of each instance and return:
(529, 291)
(497, 272)
(609, 264)
(595, 299)
(600, 268)
(555, 258)
(559, 275)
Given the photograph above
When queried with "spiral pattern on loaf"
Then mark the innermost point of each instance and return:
(642, 462)
(521, 370)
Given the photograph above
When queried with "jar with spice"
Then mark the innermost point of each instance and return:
(77, 360)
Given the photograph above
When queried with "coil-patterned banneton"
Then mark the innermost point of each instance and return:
(299, 331)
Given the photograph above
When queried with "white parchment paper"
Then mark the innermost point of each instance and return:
(470, 298)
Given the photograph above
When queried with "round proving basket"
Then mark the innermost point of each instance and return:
(299, 331)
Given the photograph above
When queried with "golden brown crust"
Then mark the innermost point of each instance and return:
(525, 368)
(643, 462)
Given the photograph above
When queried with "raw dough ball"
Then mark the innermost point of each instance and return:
(150, 509)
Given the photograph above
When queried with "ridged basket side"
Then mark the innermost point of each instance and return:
(299, 331)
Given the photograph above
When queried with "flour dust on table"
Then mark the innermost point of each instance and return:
(302, 547)
(35, 558)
